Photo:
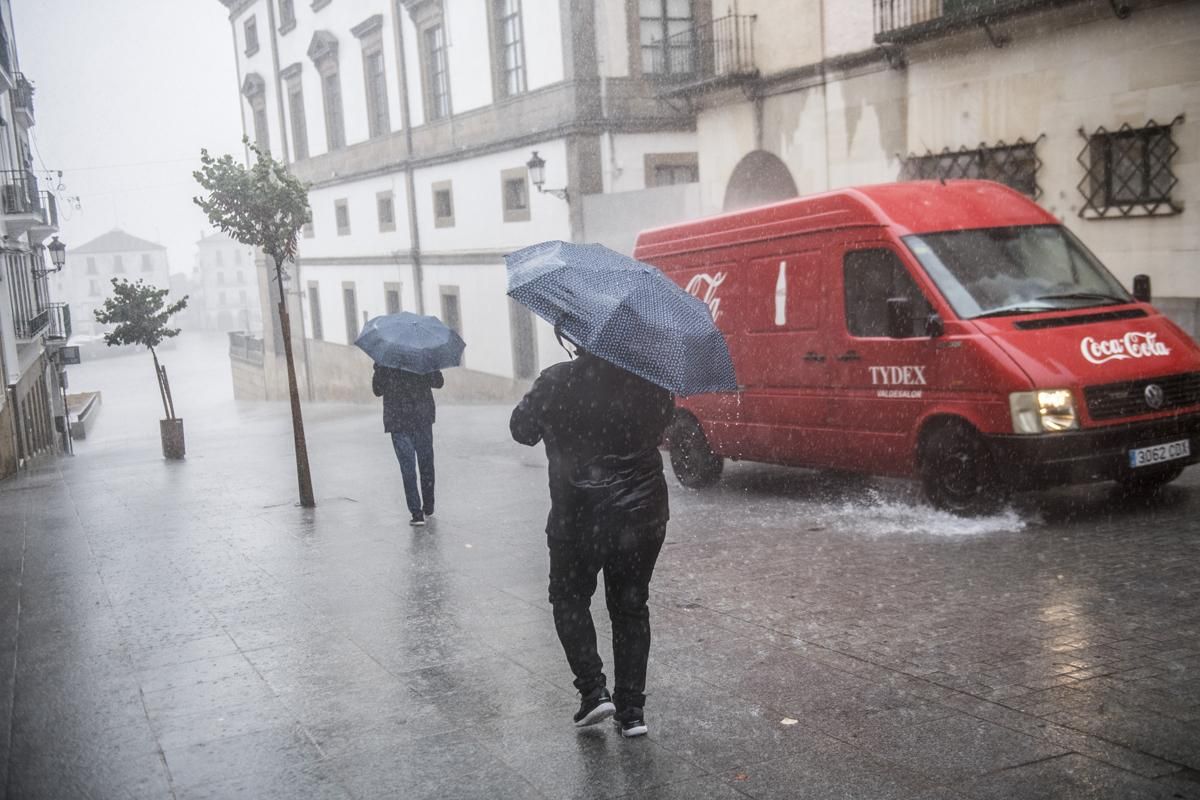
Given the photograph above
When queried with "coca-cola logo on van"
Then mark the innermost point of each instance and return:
(705, 286)
(1134, 344)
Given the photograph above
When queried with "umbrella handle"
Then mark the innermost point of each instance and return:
(558, 334)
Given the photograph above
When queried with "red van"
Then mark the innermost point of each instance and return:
(954, 332)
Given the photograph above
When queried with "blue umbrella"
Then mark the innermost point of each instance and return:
(410, 342)
(624, 311)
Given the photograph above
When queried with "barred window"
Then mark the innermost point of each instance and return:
(1128, 171)
(1014, 165)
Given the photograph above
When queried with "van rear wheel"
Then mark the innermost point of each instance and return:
(959, 474)
(694, 462)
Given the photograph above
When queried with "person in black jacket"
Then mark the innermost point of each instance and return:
(408, 415)
(608, 511)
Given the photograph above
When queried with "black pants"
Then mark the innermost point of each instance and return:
(627, 558)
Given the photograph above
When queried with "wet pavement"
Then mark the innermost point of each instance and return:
(184, 630)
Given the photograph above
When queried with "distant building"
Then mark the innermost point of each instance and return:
(32, 327)
(94, 265)
(224, 293)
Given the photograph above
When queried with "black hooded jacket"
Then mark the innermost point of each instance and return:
(602, 426)
(407, 397)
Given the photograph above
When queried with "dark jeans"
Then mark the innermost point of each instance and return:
(414, 448)
(627, 557)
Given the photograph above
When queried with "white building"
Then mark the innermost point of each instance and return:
(224, 286)
(94, 265)
(32, 328)
(413, 121)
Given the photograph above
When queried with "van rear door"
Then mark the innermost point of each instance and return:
(883, 383)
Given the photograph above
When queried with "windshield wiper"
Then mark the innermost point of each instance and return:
(1083, 296)
(1014, 310)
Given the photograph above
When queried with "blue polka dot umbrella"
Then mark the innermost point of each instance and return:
(411, 342)
(624, 311)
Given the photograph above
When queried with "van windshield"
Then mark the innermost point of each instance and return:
(1017, 270)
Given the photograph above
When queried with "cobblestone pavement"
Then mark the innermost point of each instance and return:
(183, 630)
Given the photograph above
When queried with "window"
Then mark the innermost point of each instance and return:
(350, 305)
(508, 48)
(91, 266)
(341, 212)
(287, 15)
(147, 263)
(254, 90)
(667, 169)
(1015, 165)
(437, 73)
(385, 210)
(251, 31)
(443, 205)
(872, 278)
(118, 264)
(1129, 172)
(514, 185)
(370, 33)
(323, 50)
(299, 124)
(314, 311)
(451, 315)
(666, 36)
(391, 298)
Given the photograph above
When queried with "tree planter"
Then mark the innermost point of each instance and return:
(171, 431)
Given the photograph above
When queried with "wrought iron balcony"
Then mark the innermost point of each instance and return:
(60, 322)
(705, 55)
(907, 20)
(23, 100)
(19, 193)
(28, 294)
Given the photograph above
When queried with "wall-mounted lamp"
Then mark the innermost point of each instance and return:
(537, 175)
(58, 257)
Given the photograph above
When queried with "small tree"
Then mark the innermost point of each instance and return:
(140, 313)
(263, 206)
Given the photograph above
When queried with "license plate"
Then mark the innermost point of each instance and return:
(1145, 456)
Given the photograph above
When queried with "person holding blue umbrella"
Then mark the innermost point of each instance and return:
(409, 353)
(639, 340)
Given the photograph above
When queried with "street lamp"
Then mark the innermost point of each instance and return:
(58, 257)
(537, 175)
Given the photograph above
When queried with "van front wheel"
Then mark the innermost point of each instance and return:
(959, 474)
(694, 462)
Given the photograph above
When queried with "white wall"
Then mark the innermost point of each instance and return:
(623, 156)
(365, 237)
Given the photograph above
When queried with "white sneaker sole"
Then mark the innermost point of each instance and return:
(639, 730)
(597, 714)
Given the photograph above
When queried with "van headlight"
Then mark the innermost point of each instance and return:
(1045, 411)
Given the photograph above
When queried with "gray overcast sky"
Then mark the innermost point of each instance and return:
(127, 92)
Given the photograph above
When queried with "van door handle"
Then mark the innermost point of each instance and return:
(814, 358)
(849, 355)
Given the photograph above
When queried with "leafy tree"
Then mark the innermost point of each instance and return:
(263, 206)
(140, 313)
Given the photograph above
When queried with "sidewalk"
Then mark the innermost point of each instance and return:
(184, 630)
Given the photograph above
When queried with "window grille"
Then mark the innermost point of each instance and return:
(510, 55)
(667, 37)
(1015, 165)
(1127, 172)
(437, 74)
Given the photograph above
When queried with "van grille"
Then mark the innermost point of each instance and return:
(1128, 398)
(1079, 319)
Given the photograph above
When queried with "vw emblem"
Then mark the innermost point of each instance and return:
(1154, 396)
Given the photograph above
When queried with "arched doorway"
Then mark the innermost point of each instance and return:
(758, 179)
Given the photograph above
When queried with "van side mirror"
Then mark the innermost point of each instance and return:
(899, 318)
(1141, 288)
(934, 327)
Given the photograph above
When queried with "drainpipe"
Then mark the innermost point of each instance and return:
(410, 187)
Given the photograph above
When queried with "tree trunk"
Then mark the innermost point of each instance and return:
(161, 390)
(303, 476)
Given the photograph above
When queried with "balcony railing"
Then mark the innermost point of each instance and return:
(245, 347)
(60, 322)
(723, 48)
(19, 193)
(23, 98)
(30, 310)
(897, 20)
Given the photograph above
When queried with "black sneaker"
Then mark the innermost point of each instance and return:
(418, 519)
(630, 722)
(428, 512)
(596, 706)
